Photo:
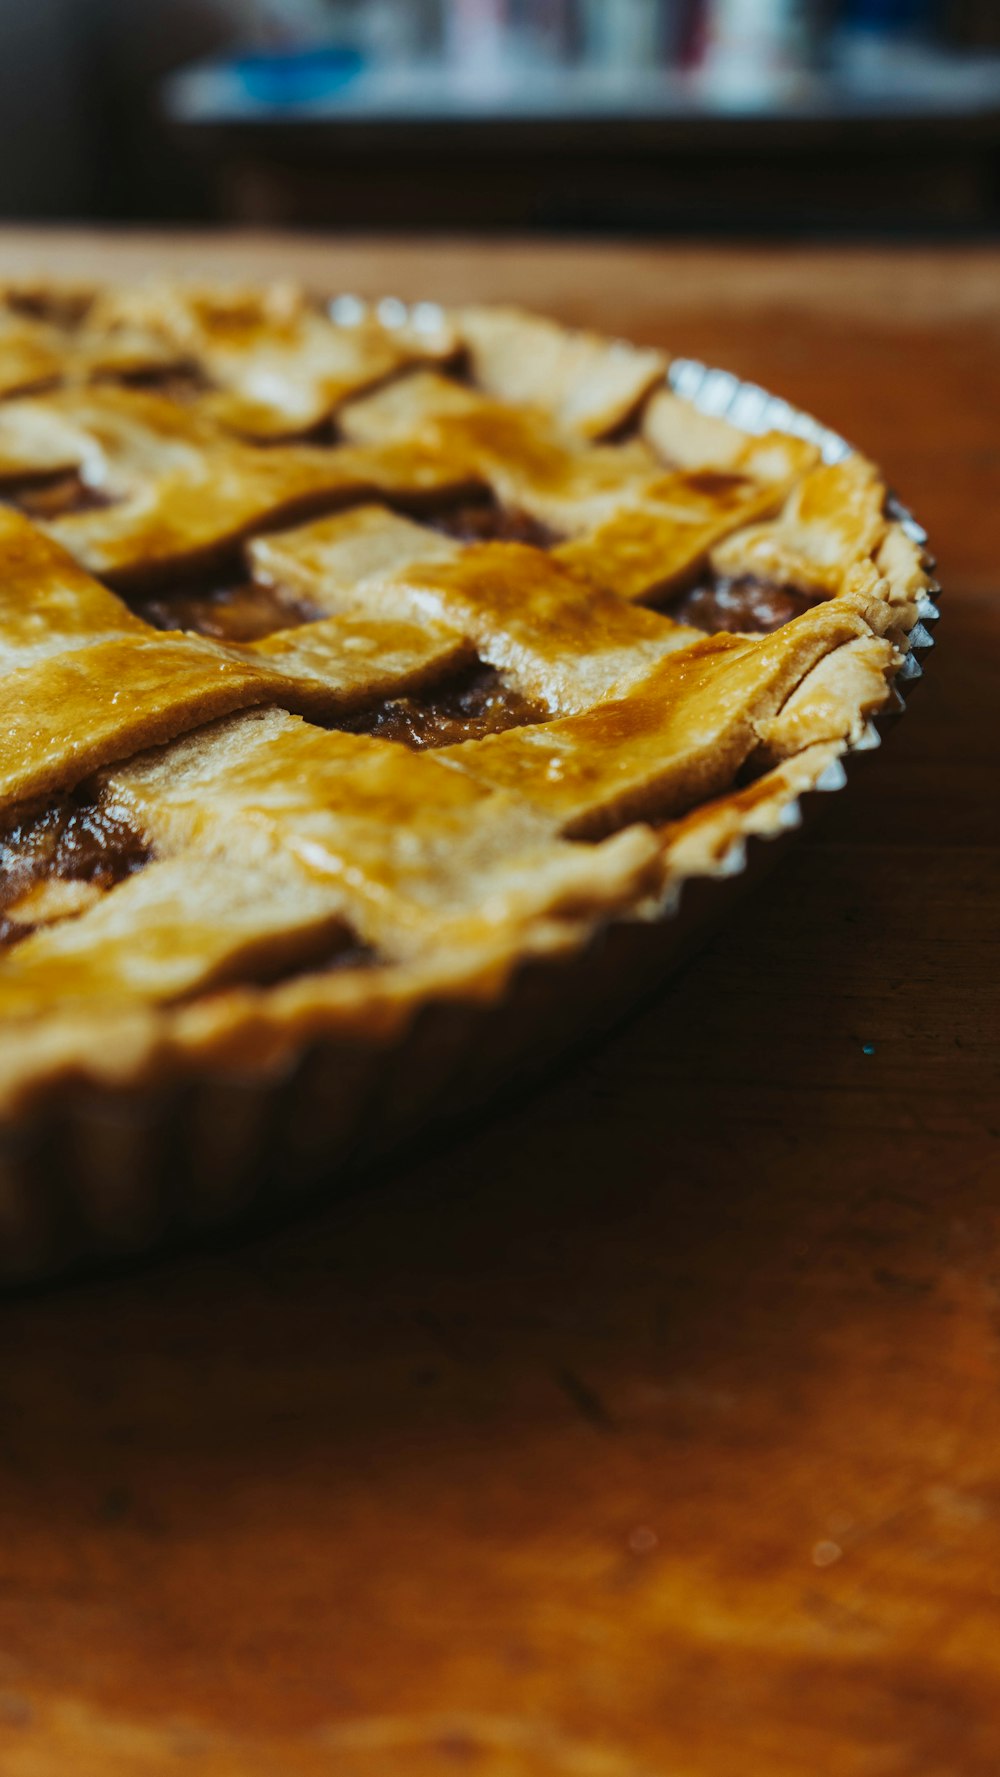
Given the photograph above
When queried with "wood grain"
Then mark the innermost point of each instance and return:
(653, 1428)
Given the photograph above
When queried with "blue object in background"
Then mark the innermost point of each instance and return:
(884, 18)
(297, 76)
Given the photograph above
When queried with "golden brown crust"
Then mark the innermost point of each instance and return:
(292, 879)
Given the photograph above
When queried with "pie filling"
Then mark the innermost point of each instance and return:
(181, 383)
(316, 953)
(477, 703)
(480, 518)
(64, 308)
(58, 858)
(244, 611)
(744, 605)
(55, 496)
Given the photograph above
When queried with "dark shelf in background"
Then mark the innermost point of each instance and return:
(578, 153)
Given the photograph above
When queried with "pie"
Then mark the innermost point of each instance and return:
(351, 660)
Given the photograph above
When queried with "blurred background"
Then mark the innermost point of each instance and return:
(639, 116)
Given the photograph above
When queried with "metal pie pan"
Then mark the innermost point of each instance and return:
(98, 1178)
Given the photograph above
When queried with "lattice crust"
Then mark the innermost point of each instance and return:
(83, 681)
(688, 439)
(586, 383)
(173, 489)
(36, 352)
(832, 519)
(679, 736)
(272, 836)
(370, 760)
(646, 549)
(271, 363)
(560, 638)
(278, 366)
(632, 528)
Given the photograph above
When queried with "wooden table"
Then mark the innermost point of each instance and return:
(654, 1430)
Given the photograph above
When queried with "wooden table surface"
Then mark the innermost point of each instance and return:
(655, 1429)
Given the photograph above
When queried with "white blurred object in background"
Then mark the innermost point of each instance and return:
(625, 36)
(756, 51)
(475, 37)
